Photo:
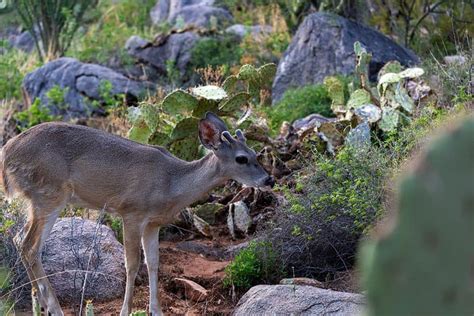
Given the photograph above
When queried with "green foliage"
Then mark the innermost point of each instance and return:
(216, 52)
(402, 268)
(52, 23)
(111, 24)
(428, 26)
(173, 123)
(14, 64)
(172, 72)
(251, 266)
(116, 224)
(334, 202)
(454, 80)
(5, 306)
(34, 115)
(299, 102)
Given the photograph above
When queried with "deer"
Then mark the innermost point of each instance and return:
(55, 164)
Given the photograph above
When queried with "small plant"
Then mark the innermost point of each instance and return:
(300, 102)
(52, 23)
(56, 96)
(216, 52)
(34, 115)
(172, 72)
(116, 224)
(252, 265)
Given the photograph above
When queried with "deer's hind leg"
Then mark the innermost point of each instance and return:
(41, 218)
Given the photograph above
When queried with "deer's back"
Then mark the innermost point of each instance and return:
(95, 166)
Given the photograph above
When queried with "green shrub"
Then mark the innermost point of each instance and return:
(334, 202)
(14, 64)
(34, 115)
(216, 52)
(300, 102)
(116, 224)
(252, 265)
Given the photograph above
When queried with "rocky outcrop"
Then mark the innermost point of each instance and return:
(81, 85)
(76, 246)
(164, 9)
(298, 300)
(241, 30)
(175, 48)
(324, 46)
(195, 13)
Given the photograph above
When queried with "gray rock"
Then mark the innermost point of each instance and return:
(23, 41)
(238, 219)
(242, 30)
(311, 121)
(200, 16)
(163, 9)
(81, 83)
(176, 48)
(298, 300)
(77, 245)
(324, 46)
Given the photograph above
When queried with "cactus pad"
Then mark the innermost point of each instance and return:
(179, 102)
(424, 265)
(210, 92)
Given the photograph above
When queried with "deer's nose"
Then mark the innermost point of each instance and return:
(269, 181)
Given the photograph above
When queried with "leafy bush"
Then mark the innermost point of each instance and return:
(252, 265)
(216, 52)
(337, 201)
(299, 102)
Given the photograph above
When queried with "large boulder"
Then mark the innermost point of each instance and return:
(241, 30)
(200, 16)
(164, 9)
(324, 46)
(77, 246)
(81, 85)
(298, 300)
(174, 48)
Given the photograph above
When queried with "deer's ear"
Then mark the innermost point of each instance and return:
(210, 129)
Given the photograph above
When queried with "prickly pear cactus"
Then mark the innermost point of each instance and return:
(173, 123)
(424, 266)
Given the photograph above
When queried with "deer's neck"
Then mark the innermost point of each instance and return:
(195, 179)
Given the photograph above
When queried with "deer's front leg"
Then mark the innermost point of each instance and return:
(132, 232)
(150, 242)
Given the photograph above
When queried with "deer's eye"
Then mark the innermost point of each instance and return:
(241, 160)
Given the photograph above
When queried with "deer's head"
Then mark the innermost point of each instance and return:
(238, 161)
